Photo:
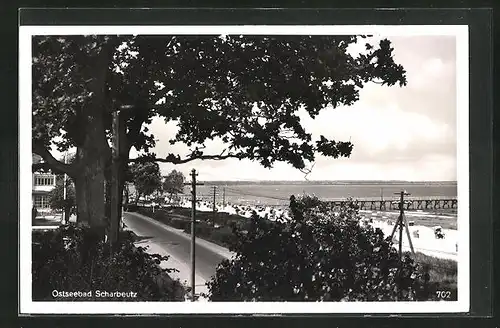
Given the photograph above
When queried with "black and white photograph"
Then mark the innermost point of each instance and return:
(298, 169)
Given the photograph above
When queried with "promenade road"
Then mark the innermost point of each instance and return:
(174, 242)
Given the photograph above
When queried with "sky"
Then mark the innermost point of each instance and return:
(399, 133)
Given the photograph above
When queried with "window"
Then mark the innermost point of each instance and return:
(44, 180)
(41, 201)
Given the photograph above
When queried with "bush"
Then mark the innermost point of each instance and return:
(202, 229)
(143, 210)
(160, 215)
(320, 254)
(223, 236)
(180, 223)
(70, 259)
(132, 208)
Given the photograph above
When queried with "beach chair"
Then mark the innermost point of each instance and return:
(438, 232)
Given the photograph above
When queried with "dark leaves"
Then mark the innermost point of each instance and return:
(333, 149)
(62, 260)
(146, 177)
(58, 200)
(174, 182)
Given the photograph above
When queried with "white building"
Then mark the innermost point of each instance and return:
(42, 185)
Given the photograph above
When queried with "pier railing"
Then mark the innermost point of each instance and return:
(410, 204)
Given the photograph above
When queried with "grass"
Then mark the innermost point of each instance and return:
(442, 274)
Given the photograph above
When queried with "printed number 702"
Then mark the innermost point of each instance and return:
(443, 294)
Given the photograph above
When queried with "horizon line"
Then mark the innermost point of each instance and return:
(329, 180)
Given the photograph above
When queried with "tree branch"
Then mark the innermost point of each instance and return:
(50, 162)
(307, 171)
(177, 160)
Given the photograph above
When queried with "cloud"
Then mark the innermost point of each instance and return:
(376, 129)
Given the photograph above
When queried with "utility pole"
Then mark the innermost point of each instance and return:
(402, 223)
(65, 219)
(224, 197)
(193, 235)
(214, 208)
(381, 198)
(401, 213)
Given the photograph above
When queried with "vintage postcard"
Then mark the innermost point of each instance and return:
(298, 169)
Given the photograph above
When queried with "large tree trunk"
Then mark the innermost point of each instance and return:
(82, 211)
(93, 153)
(89, 181)
(89, 188)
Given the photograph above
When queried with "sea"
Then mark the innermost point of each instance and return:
(278, 193)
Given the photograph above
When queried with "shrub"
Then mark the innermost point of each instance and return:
(223, 236)
(180, 223)
(132, 208)
(70, 259)
(160, 215)
(202, 229)
(143, 210)
(321, 253)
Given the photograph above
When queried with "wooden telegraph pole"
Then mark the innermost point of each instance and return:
(214, 207)
(193, 234)
(65, 219)
(381, 198)
(224, 197)
(402, 223)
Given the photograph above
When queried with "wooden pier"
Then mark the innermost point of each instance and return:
(409, 204)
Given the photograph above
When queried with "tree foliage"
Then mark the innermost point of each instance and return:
(56, 196)
(320, 254)
(146, 178)
(174, 182)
